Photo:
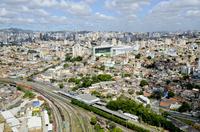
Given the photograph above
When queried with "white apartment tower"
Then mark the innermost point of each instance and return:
(114, 41)
(77, 50)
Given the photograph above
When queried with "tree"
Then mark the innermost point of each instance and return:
(126, 75)
(139, 92)
(29, 79)
(146, 114)
(143, 83)
(95, 79)
(66, 65)
(168, 82)
(109, 95)
(165, 114)
(96, 93)
(52, 80)
(102, 67)
(79, 58)
(111, 125)
(75, 88)
(116, 129)
(98, 128)
(138, 56)
(72, 79)
(19, 88)
(171, 94)
(104, 77)
(61, 85)
(68, 57)
(131, 91)
(151, 66)
(148, 106)
(97, 58)
(185, 77)
(93, 120)
(86, 83)
(191, 85)
(149, 57)
(29, 94)
(184, 107)
(156, 95)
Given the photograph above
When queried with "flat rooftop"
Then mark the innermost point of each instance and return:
(103, 46)
(87, 97)
(34, 122)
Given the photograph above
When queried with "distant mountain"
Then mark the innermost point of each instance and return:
(16, 30)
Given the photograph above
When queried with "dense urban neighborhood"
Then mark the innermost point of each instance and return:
(99, 81)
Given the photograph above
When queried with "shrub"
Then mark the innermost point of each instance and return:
(184, 107)
(143, 83)
(93, 120)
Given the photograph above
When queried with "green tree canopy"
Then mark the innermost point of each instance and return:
(61, 85)
(146, 114)
(66, 65)
(96, 93)
(138, 56)
(93, 120)
(143, 83)
(156, 95)
(171, 94)
(184, 107)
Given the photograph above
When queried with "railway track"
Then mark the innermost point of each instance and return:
(65, 112)
(66, 108)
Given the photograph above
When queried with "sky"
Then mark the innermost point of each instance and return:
(101, 15)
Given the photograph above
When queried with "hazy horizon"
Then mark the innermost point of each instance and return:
(34, 30)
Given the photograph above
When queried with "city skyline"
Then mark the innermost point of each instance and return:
(101, 15)
(99, 66)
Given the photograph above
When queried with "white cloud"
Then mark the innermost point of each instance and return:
(193, 13)
(126, 7)
(42, 12)
(45, 3)
(79, 9)
(3, 12)
(127, 10)
(123, 15)
(175, 7)
(24, 20)
(25, 9)
(89, 1)
(166, 14)
(103, 16)
(4, 20)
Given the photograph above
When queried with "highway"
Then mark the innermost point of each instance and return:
(68, 118)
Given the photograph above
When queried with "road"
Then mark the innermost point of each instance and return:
(68, 118)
